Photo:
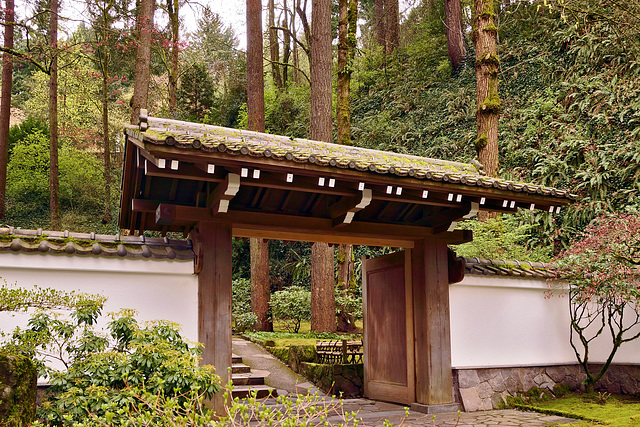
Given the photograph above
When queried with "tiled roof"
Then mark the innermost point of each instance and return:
(488, 267)
(64, 242)
(209, 138)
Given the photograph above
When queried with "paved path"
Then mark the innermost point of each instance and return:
(373, 413)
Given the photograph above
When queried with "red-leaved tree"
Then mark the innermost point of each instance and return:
(601, 273)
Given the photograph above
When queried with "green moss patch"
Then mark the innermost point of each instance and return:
(611, 410)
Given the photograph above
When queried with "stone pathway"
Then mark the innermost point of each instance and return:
(373, 413)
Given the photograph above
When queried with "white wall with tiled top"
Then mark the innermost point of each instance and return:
(509, 321)
(157, 289)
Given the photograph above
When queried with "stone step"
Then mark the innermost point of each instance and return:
(236, 359)
(262, 391)
(240, 368)
(247, 379)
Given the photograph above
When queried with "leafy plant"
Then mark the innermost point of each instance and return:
(243, 318)
(292, 306)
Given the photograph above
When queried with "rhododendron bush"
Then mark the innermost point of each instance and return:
(601, 274)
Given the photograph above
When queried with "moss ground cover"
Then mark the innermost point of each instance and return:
(610, 410)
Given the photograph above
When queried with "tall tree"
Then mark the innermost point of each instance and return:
(392, 25)
(488, 101)
(54, 185)
(259, 248)
(323, 303)
(173, 9)
(144, 28)
(455, 39)
(5, 99)
(320, 56)
(347, 22)
(274, 46)
(322, 277)
(387, 24)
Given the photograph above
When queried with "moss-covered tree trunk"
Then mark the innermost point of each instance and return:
(488, 100)
(18, 390)
(348, 20)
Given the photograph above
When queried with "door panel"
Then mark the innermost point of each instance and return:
(388, 329)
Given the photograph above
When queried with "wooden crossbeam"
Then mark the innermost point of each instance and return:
(219, 199)
(342, 213)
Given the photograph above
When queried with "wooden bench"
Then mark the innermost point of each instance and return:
(339, 352)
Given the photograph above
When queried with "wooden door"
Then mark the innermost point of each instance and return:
(389, 372)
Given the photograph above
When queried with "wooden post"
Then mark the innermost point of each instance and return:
(214, 300)
(431, 323)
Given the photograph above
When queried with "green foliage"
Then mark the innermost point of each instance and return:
(503, 237)
(21, 131)
(80, 178)
(14, 298)
(196, 95)
(243, 318)
(347, 302)
(292, 306)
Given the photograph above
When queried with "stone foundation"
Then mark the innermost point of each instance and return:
(485, 389)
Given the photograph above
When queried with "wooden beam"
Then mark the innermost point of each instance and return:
(342, 213)
(212, 244)
(430, 276)
(305, 168)
(184, 171)
(219, 199)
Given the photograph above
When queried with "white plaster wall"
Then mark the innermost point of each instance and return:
(498, 321)
(156, 289)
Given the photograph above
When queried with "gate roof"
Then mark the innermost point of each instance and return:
(177, 174)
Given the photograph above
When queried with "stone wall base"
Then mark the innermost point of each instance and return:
(487, 388)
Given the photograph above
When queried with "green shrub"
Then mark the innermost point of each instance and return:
(291, 306)
(243, 318)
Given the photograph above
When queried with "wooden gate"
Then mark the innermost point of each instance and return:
(389, 372)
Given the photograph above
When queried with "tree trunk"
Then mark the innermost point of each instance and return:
(106, 149)
(286, 56)
(488, 100)
(321, 70)
(346, 283)
(5, 101)
(323, 303)
(455, 40)
(323, 318)
(143, 58)
(173, 6)
(348, 17)
(381, 22)
(255, 78)
(54, 202)
(260, 286)
(392, 27)
(274, 47)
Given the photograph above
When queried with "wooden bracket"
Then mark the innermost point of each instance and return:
(473, 211)
(342, 213)
(219, 199)
(451, 217)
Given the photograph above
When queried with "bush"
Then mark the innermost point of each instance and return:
(243, 318)
(291, 306)
(109, 376)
